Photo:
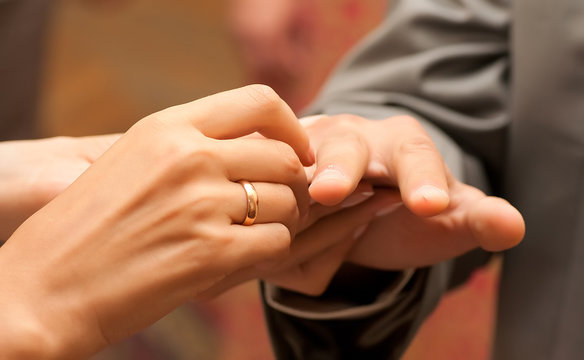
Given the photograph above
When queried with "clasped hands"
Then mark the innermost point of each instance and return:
(155, 217)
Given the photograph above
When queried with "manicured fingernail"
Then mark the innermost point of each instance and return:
(430, 193)
(388, 209)
(356, 198)
(360, 231)
(330, 174)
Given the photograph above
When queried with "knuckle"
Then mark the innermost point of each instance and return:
(350, 140)
(280, 241)
(181, 155)
(152, 122)
(289, 159)
(203, 205)
(416, 144)
(347, 123)
(349, 120)
(406, 121)
(226, 239)
(263, 96)
(346, 129)
(204, 156)
(290, 205)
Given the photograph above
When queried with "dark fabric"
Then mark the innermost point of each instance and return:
(445, 63)
(22, 33)
(506, 83)
(295, 338)
(542, 288)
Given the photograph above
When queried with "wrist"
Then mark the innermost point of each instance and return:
(36, 323)
(23, 336)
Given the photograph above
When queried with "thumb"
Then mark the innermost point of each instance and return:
(496, 224)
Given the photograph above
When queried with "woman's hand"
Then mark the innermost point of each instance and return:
(153, 222)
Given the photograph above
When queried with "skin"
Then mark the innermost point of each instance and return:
(369, 176)
(33, 172)
(151, 223)
(439, 217)
(423, 214)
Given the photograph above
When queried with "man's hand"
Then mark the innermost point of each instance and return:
(440, 217)
(33, 172)
(430, 218)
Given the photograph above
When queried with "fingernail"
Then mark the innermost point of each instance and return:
(388, 209)
(309, 120)
(360, 231)
(312, 155)
(430, 193)
(309, 171)
(375, 168)
(356, 198)
(330, 174)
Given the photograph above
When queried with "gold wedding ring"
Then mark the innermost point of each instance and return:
(252, 202)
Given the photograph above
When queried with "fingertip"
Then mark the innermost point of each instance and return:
(330, 186)
(497, 224)
(428, 200)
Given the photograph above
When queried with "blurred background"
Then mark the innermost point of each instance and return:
(109, 63)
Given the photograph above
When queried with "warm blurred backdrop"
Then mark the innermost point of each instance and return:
(111, 62)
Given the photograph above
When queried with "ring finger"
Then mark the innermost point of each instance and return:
(275, 203)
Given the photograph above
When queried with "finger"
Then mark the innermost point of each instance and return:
(235, 113)
(341, 161)
(496, 224)
(276, 203)
(317, 211)
(473, 220)
(265, 160)
(314, 276)
(419, 168)
(336, 227)
(230, 281)
(306, 250)
(256, 243)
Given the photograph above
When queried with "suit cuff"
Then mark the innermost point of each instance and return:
(335, 304)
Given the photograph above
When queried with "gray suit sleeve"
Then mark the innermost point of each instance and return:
(445, 63)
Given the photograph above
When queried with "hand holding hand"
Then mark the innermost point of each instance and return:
(154, 221)
(420, 214)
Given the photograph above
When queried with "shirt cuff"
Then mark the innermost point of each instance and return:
(330, 307)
